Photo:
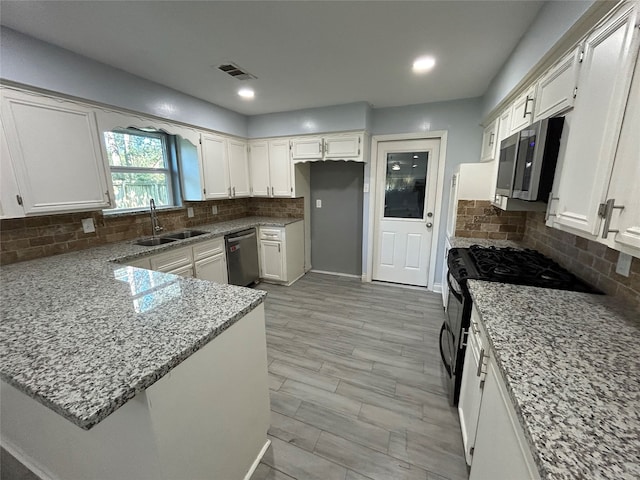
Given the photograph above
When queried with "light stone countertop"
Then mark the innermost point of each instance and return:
(83, 335)
(571, 364)
(461, 242)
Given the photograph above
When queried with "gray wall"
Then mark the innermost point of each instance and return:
(39, 64)
(351, 116)
(551, 23)
(336, 228)
(461, 119)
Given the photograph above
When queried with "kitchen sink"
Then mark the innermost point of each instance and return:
(150, 242)
(184, 234)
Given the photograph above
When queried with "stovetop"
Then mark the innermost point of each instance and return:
(511, 265)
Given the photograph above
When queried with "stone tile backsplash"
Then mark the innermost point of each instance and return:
(479, 219)
(591, 261)
(34, 237)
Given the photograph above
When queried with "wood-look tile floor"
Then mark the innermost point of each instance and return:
(357, 389)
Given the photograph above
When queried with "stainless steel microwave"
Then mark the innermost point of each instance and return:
(528, 160)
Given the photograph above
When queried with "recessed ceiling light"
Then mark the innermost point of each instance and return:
(423, 64)
(395, 166)
(246, 93)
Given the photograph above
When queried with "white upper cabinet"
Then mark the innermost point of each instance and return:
(490, 141)
(604, 79)
(621, 229)
(558, 87)
(215, 166)
(55, 152)
(522, 110)
(238, 168)
(280, 168)
(259, 168)
(339, 147)
(10, 198)
(308, 148)
(346, 146)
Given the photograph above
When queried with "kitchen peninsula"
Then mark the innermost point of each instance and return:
(112, 371)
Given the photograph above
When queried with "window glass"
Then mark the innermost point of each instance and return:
(405, 185)
(139, 168)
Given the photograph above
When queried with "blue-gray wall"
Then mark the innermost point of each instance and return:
(551, 23)
(39, 64)
(351, 116)
(461, 120)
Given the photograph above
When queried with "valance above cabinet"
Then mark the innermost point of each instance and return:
(347, 147)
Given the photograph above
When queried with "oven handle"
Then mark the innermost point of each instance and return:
(446, 366)
(453, 290)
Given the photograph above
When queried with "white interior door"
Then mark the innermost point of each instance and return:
(406, 186)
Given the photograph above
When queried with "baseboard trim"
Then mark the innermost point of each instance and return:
(339, 274)
(437, 288)
(257, 461)
(26, 460)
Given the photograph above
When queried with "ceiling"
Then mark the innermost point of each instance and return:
(304, 53)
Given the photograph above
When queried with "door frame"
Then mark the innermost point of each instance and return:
(375, 171)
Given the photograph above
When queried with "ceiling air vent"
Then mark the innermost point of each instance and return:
(236, 72)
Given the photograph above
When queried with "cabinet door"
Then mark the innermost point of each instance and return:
(238, 169)
(339, 147)
(490, 141)
(10, 198)
(215, 166)
(522, 110)
(471, 387)
(623, 189)
(557, 87)
(501, 451)
(140, 263)
(186, 271)
(609, 55)
(171, 260)
(280, 168)
(306, 148)
(56, 154)
(259, 169)
(213, 269)
(271, 258)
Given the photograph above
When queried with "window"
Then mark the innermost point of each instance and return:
(142, 168)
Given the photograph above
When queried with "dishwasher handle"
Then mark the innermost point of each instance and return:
(243, 237)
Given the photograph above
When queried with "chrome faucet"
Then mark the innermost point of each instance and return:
(155, 226)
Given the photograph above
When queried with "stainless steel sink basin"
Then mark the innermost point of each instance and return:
(184, 234)
(150, 242)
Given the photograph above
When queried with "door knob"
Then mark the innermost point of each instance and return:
(429, 225)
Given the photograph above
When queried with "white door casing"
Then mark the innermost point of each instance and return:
(403, 241)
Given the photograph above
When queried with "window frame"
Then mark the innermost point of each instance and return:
(169, 168)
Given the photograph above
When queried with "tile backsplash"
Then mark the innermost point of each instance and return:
(591, 261)
(479, 219)
(33, 237)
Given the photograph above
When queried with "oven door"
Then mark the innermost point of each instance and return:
(450, 333)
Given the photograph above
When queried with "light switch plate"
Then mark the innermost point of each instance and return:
(318, 203)
(214, 209)
(623, 267)
(190, 213)
(88, 226)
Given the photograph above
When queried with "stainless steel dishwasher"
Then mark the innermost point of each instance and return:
(242, 257)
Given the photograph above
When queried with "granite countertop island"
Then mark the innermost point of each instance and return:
(83, 334)
(571, 364)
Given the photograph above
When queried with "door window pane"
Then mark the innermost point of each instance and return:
(405, 185)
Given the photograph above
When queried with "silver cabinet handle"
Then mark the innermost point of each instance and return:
(465, 337)
(272, 191)
(278, 248)
(525, 107)
(474, 328)
(609, 207)
(229, 191)
(480, 363)
(267, 190)
(234, 191)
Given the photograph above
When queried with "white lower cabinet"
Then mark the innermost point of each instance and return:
(282, 253)
(501, 451)
(206, 260)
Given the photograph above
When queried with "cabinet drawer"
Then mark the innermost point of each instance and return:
(271, 234)
(208, 248)
(171, 260)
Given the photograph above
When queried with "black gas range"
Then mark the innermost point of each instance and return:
(492, 264)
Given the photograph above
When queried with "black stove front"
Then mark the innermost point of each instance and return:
(492, 264)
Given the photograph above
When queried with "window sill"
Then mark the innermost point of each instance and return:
(137, 211)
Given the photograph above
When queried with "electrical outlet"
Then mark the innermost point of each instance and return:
(190, 213)
(318, 203)
(623, 267)
(88, 226)
(214, 209)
